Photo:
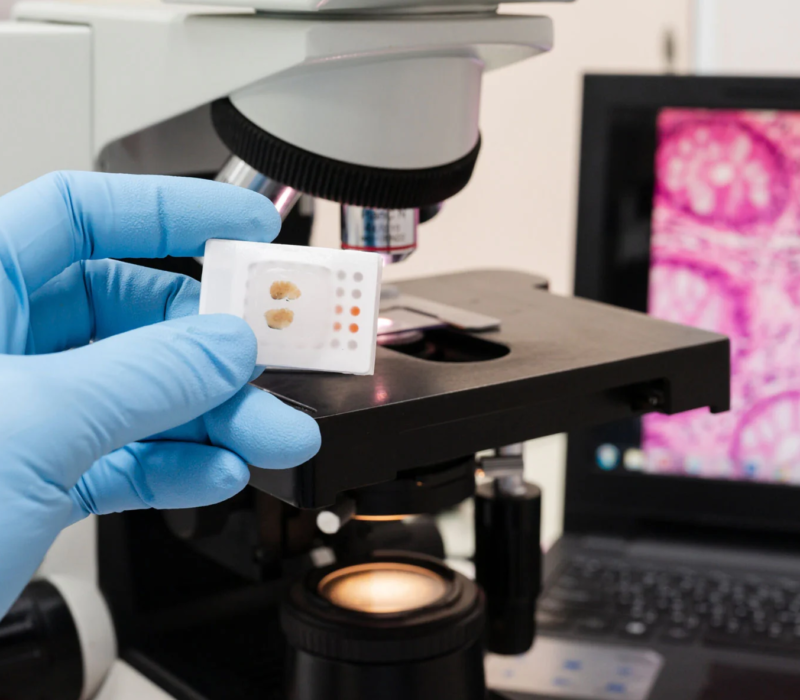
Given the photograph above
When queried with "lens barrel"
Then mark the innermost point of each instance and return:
(427, 648)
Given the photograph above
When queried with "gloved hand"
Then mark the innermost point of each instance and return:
(151, 414)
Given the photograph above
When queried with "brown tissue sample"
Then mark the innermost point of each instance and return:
(279, 318)
(285, 290)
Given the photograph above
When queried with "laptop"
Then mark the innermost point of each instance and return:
(678, 574)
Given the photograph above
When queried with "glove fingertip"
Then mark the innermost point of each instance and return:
(296, 440)
(257, 372)
(309, 438)
(263, 430)
(263, 219)
(231, 475)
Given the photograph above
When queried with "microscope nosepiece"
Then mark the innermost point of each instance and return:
(337, 180)
(392, 233)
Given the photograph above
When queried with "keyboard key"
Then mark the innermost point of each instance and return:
(578, 597)
(730, 635)
(717, 622)
(676, 605)
(775, 630)
(692, 622)
(594, 625)
(649, 617)
(679, 635)
(635, 629)
(732, 627)
(625, 600)
(551, 606)
(569, 581)
(759, 626)
(550, 622)
(786, 617)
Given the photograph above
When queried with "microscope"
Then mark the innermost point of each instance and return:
(327, 581)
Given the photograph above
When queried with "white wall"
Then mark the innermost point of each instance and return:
(519, 209)
(745, 37)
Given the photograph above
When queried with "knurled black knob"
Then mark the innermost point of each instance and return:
(336, 180)
(508, 564)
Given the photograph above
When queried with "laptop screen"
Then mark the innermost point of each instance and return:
(689, 209)
(725, 256)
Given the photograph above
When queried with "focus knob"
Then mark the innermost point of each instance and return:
(56, 642)
(508, 562)
(40, 651)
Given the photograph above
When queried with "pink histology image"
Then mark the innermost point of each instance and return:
(726, 257)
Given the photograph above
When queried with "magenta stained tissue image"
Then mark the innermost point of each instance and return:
(725, 257)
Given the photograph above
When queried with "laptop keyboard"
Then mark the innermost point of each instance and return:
(678, 606)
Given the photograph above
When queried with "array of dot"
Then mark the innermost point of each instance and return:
(346, 313)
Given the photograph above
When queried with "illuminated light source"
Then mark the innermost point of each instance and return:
(383, 587)
(380, 518)
(398, 621)
(384, 323)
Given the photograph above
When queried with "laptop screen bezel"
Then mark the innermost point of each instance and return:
(596, 501)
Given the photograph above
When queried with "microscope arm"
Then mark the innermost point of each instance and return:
(45, 77)
(363, 91)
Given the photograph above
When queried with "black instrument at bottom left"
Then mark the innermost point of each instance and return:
(40, 651)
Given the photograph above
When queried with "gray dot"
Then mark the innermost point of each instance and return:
(352, 345)
(334, 343)
(340, 292)
(356, 294)
(358, 277)
(341, 274)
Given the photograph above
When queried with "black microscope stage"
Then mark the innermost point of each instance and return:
(558, 363)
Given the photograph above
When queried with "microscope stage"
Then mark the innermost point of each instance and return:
(559, 363)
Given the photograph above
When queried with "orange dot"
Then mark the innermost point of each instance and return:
(337, 326)
(338, 309)
(354, 328)
(355, 311)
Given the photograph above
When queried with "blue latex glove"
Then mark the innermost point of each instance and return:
(71, 412)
